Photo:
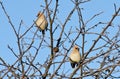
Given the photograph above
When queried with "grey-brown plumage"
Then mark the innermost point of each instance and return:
(55, 49)
(74, 57)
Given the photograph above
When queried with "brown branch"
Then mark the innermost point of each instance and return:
(9, 20)
(102, 33)
(95, 42)
(63, 26)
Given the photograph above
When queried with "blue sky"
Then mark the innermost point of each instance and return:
(27, 10)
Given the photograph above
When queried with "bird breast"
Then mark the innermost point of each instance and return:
(41, 23)
(75, 57)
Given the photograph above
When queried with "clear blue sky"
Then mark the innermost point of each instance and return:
(27, 10)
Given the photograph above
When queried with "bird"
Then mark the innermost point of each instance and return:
(41, 22)
(75, 56)
(55, 49)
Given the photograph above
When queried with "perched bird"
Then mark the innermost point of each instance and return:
(41, 22)
(74, 56)
(55, 49)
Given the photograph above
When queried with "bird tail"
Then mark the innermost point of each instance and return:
(43, 32)
(73, 65)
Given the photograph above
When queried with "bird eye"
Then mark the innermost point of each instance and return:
(77, 48)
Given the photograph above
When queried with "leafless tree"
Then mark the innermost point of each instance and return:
(100, 49)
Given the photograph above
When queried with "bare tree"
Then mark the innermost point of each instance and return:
(100, 49)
